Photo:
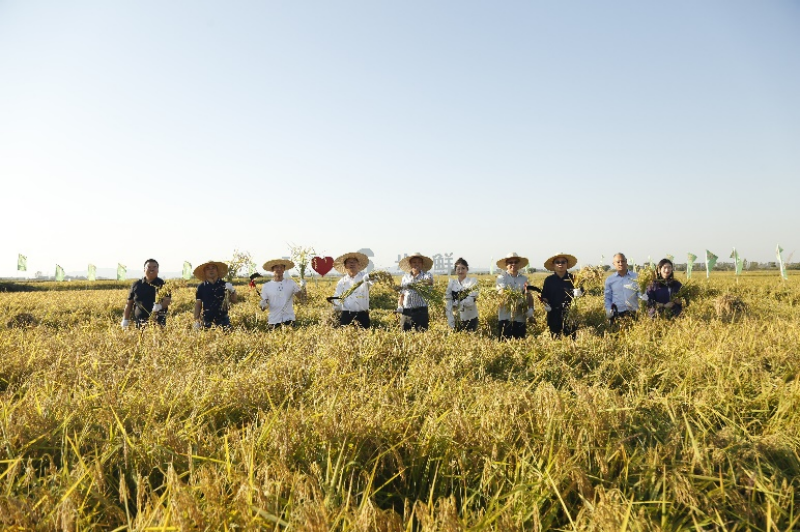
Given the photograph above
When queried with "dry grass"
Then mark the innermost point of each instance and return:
(671, 425)
(729, 307)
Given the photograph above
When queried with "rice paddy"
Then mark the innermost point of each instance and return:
(684, 424)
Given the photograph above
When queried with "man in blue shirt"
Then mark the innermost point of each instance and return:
(621, 292)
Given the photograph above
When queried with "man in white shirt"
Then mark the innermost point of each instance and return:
(355, 284)
(411, 305)
(278, 294)
(512, 321)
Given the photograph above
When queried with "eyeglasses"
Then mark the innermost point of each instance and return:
(512, 262)
(559, 262)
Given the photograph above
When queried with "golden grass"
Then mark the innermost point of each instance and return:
(679, 424)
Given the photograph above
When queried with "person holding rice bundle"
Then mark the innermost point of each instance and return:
(214, 296)
(517, 303)
(278, 294)
(662, 291)
(460, 299)
(351, 296)
(411, 304)
(558, 291)
(142, 298)
(621, 291)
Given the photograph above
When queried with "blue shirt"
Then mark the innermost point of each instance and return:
(622, 291)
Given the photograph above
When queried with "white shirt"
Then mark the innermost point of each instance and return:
(280, 296)
(358, 301)
(506, 280)
(467, 309)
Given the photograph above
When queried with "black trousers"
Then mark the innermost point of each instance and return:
(273, 326)
(469, 325)
(220, 320)
(512, 329)
(622, 317)
(555, 322)
(416, 318)
(361, 317)
(161, 319)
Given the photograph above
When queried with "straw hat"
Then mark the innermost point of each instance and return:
(275, 262)
(571, 261)
(338, 264)
(222, 269)
(405, 263)
(523, 261)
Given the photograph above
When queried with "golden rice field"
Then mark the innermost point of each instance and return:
(691, 424)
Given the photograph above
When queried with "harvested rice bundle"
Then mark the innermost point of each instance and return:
(589, 277)
(729, 306)
(646, 275)
(514, 300)
(688, 292)
(433, 296)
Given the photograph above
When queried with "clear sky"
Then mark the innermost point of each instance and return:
(184, 130)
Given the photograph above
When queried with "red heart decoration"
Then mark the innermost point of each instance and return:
(322, 265)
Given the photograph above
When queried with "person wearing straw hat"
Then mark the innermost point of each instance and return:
(214, 296)
(460, 296)
(410, 304)
(278, 294)
(558, 291)
(512, 322)
(355, 284)
(142, 298)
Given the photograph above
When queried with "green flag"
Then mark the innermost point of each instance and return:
(59, 273)
(121, 271)
(690, 258)
(711, 260)
(781, 264)
(738, 263)
(22, 263)
(92, 273)
(187, 270)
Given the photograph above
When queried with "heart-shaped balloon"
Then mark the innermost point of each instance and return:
(322, 265)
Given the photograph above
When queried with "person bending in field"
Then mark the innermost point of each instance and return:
(411, 305)
(661, 293)
(278, 294)
(214, 296)
(354, 308)
(142, 298)
(512, 321)
(558, 292)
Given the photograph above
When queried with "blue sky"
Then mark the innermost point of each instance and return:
(184, 130)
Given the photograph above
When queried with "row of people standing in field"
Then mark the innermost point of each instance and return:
(351, 296)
